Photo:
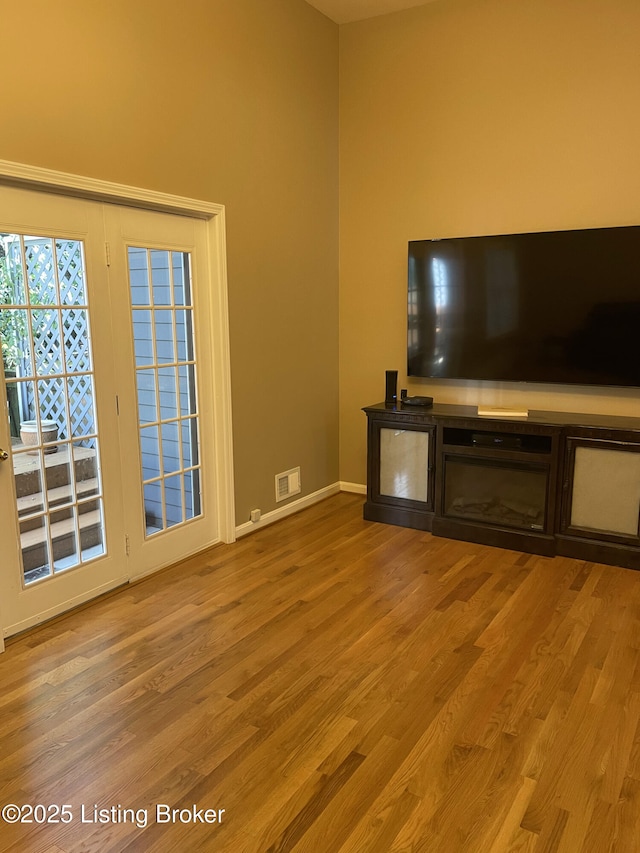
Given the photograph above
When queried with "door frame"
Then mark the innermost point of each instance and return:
(50, 181)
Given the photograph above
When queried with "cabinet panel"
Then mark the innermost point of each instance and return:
(605, 495)
(404, 464)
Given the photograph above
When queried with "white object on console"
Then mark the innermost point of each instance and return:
(502, 412)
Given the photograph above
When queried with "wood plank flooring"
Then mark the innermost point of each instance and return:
(335, 686)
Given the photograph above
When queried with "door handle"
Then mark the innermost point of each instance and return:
(3, 455)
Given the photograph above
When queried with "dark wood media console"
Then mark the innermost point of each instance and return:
(550, 483)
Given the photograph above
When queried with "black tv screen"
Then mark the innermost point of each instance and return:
(552, 307)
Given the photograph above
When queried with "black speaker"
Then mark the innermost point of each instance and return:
(391, 387)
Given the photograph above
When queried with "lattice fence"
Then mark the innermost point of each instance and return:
(59, 331)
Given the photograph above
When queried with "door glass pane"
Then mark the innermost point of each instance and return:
(150, 450)
(162, 322)
(146, 381)
(168, 398)
(160, 277)
(173, 497)
(46, 353)
(35, 548)
(143, 337)
(153, 503)
(138, 277)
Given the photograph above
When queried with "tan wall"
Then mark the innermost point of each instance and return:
(231, 101)
(470, 117)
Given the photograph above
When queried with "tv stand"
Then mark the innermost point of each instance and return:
(551, 483)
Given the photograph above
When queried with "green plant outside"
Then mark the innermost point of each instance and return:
(13, 331)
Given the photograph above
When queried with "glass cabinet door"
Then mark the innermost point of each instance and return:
(404, 464)
(400, 472)
(604, 496)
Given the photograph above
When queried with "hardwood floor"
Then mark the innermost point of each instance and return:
(334, 685)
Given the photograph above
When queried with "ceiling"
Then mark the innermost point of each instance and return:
(344, 11)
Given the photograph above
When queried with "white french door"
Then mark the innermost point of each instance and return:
(110, 427)
(164, 359)
(63, 537)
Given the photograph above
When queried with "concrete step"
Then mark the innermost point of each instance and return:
(35, 522)
(29, 504)
(28, 473)
(56, 474)
(33, 542)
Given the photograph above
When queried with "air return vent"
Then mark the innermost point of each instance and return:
(287, 484)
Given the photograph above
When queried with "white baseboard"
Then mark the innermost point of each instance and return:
(354, 488)
(59, 609)
(289, 509)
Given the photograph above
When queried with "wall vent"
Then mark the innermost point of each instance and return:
(287, 484)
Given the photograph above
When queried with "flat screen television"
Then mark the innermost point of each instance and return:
(550, 307)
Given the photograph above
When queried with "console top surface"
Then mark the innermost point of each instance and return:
(446, 410)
